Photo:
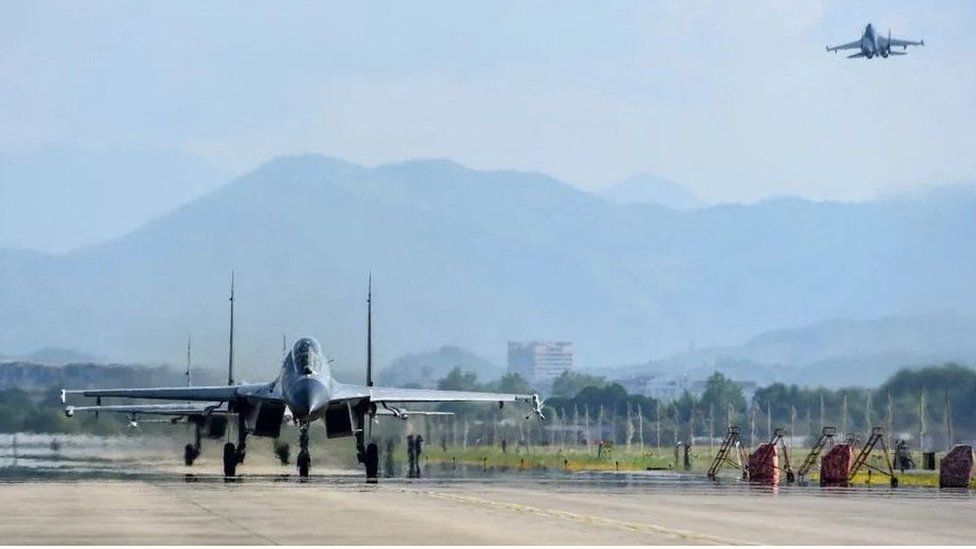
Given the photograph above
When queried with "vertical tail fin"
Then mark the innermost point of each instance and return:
(369, 332)
(230, 354)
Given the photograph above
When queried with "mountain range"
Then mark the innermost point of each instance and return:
(648, 188)
(474, 258)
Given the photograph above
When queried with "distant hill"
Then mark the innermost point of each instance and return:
(52, 356)
(647, 188)
(835, 352)
(426, 368)
(38, 378)
(473, 259)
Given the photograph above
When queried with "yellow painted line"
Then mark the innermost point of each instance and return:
(586, 519)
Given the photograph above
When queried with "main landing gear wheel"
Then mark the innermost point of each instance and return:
(189, 455)
(372, 462)
(894, 482)
(230, 460)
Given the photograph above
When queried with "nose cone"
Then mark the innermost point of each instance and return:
(307, 397)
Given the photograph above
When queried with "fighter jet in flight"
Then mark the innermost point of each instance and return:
(303, 392)
(871, 44)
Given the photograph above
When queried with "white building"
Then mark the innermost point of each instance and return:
(540, 362)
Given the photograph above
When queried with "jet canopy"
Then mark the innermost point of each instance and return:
(305, 355)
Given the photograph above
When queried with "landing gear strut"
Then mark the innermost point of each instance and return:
(368, 455)
(192, 451)
(304, 459)
(241, 439)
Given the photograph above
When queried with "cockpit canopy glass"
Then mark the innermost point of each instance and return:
(305, 353)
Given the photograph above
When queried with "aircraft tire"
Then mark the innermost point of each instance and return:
(372, 460)
(189, 455)
(283, 451)
(230, 460)
(304, 461)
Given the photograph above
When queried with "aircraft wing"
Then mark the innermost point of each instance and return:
(848, 46)
(904, 43)
(384, 395)
(175, 409)
(220, 393)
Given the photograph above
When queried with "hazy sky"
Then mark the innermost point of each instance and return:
(737, 101)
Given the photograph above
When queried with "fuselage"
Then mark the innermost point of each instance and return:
(869, 42)
(306, 381)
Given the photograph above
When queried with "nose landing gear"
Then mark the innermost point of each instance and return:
(304, 458)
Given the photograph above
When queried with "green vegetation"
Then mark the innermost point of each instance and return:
(624, 459)
(569, 384)
(20, 413)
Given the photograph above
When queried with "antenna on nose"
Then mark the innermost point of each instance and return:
(369, 331)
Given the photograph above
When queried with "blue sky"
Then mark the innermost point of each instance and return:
(736, 100)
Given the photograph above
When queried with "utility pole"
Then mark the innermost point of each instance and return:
(867, 412)
(948, 414)
(921, 421)
(809, 420)
(792, 424)
(822, 423)
(576, 422)
(640, 427)
(630, 426)
(586, 424)
(657, 421)
(752, 425)
(889, 418)
(711, 428)
(843, 411)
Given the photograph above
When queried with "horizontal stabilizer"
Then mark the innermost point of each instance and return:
(861, 54)
(897, 52)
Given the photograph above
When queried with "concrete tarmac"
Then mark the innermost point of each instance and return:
(341, 509)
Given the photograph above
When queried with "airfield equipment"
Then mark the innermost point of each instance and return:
(764, 462)
(730, 447)
(956, 468)
(877, 436)
(826, 437)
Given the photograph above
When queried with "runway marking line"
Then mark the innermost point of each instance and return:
(184, 496)
(586, 519)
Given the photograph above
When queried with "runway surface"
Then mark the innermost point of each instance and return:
(153, 501)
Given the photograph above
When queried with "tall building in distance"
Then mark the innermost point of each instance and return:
(540, 362)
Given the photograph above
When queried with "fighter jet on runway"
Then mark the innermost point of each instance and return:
(305, 389)
(871, 44)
